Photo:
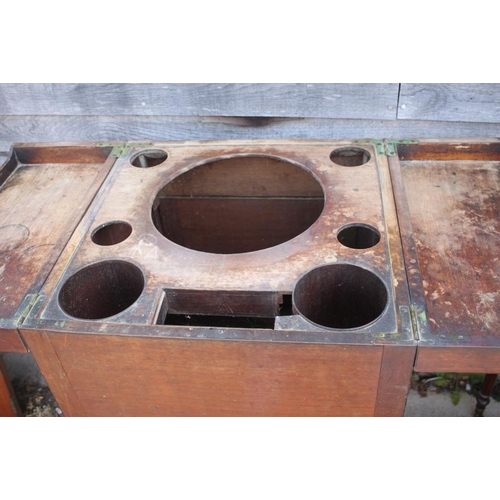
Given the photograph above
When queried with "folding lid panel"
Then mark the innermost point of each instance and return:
(448, 195)
(44, 192)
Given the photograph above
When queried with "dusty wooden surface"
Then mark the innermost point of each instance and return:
(453, 201)
(43, 195)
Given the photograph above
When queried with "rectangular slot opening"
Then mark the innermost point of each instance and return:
(227, 309)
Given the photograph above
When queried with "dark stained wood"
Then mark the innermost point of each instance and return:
(450, 102)
(236, 225)
(10, 341)
(116, 376)
(54, 373)
(61, 154)
(333, 100)
(178, 128)
(457, 150)
(483, 397)
(8, 402)
(394, 382)
(458, 359)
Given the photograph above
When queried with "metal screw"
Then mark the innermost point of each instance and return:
(403, 106)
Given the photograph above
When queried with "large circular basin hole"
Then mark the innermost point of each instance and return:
(340, 296)
(359, 236)
(101, 290)
(237, 205)
(149, 158)
(350, 157)
(111, 233)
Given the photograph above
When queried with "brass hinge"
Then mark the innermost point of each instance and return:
(386, 147)
(122, 148)
(26, 307)
(390, 145)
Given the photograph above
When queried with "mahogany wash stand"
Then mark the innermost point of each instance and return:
(249, 278)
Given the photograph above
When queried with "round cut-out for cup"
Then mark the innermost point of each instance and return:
(340, 296)
(350, 157)
(358, 236)
(149, 158)
(111, 233)
(101, 290)
(237, 205)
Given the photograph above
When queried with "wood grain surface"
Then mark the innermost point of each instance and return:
(172, 128)
(115, 376)
(329, 100)
(458, 359)
(454, 207)
(469, 102)
(39, 207)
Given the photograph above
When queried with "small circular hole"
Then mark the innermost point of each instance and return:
(358, 236)
(340, 296)
(350, 157)
(149, 158)
(101, 290)
(111, 233)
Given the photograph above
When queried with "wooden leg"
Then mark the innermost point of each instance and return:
(483, 398)
(8, 402)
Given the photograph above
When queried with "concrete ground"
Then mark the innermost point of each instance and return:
(22, 367)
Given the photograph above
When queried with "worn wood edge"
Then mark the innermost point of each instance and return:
(9, 406)
(53, 371)
(71, 129)
(410, 253)
(395, 376)
(395, 251)
(11, 341)
(457, 359)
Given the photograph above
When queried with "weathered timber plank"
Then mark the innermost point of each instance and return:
(164, 128)
(331, 100)
(450, 102)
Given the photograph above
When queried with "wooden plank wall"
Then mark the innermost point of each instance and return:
(106, 112)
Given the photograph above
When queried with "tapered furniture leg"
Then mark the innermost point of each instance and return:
(483, 398)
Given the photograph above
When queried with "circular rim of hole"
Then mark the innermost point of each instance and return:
(162, 156)
(79, 275)
(215, 159)
(337, 156)
(360, 225)
(362, 269)
(103, 227)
